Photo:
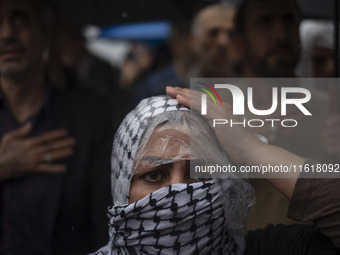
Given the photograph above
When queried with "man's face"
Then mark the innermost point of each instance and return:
(212, 42)
(271, 38)
(323, 62)
(21, 37)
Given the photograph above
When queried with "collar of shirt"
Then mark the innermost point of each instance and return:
(42, 113)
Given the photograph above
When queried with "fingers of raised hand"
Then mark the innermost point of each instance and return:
(186, 97)
(175, 91)
(193, 99)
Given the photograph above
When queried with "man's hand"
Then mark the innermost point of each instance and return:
(21, 155)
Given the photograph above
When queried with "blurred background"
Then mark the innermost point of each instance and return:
(108, 49)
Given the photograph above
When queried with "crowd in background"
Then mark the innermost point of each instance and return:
(220, 40)
(149, 67)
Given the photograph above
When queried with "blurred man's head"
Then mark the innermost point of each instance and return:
(22, 39)
(269, 32)
(179, 47)
(72, 44)
(211, 42)
(317, 49)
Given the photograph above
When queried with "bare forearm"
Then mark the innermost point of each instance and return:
(252, 152)
(275, 156)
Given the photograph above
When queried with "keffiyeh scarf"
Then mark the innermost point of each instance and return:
(178, 219)
(197, 218)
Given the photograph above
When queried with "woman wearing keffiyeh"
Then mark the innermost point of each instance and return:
(158, 208)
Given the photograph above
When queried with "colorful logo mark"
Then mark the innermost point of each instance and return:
(209, 93)
(204, 97)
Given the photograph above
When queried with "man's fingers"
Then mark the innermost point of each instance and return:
(61, 154)
(51, 168)
(56, 155)
(58, 144)
(49, 136)
(19, 132)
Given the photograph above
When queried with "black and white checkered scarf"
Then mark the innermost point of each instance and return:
(199, 218)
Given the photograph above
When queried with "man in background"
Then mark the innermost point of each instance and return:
(54, 150)
(202, 49)
(173, 74)
(270, 42)
(211, 42)
(269, 45)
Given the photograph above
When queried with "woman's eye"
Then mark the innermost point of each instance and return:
(154, 176)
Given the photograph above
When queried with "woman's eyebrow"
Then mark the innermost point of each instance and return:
(203, 161)
(157, 160)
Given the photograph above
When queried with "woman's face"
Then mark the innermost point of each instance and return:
(155, 166)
